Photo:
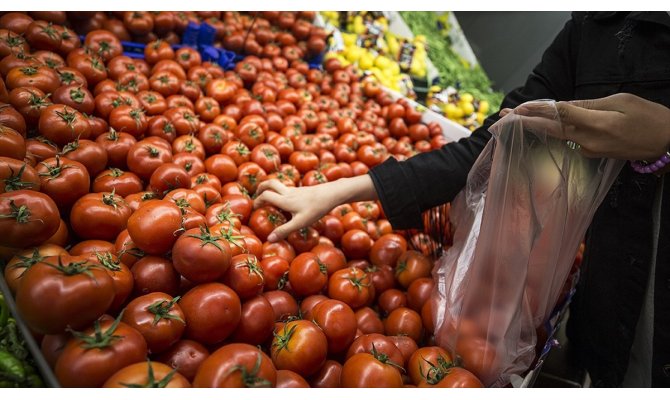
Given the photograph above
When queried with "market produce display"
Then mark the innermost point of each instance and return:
(17, 366)
(126, 190)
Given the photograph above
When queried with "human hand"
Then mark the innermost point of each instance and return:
(309, 203)
(622, 126)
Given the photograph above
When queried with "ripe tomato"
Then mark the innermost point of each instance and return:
(212, 312)
(391, 299)
(245, 276)
(328, 376)
(368, 321)
(158, 317)
(256, 323)
(284, 305)
(64, 180)
(154, 274)
(404, 321)
(427, 361)
(89, 153)
(406, 345)
(307, 274)
(275, 271)
(87, 247)
(365, 370)
(147, 374)
(411, 266)
(12, 143)
(168, 177)
(454, 377)
(222, 166)
(419, 292)
(121, 182)
(300, 346)
(25, 259)
(38, 76)
(117, 145)
(122, 278)
(153, 226)
(62, 124)
(289, 379)
(479, 356)
(103, 43)
(281, 249)
(145, 156)
(387, 249)
(185, 356)
(29, 101)
(380, 343)
(350, 285)
(76, 291)
(331, 256)
(99, 216)
(152, 102)
(128, 119)
(27, 218)
(356, 243)
(89, 360)
(338, 322)
(236, 365)
(264, 220)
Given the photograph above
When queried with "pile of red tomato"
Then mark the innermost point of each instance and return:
(129, 231)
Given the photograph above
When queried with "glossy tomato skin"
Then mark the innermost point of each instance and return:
(145, 156)
(391, 299)
(138, 374)
(419, 292)
(245, 276)
(25, 259)
(123, 183)
(363, 370)
(256, 323)
(212, 311)
(338, 322)
(99, 216)
(300, 346)
(153, 226)
(411, 266)
(404, 321)
(158, 318)
(185, 356)
(328, 376)
(387, 249)
(117, 145)
(226, 366)
(64, 180)
(307, 274)
(89, 153)
(283, 304)
(419, 362)
(76, 291)
(352, 286)
(289, 379)
(368, 321)
(153, 274)
(81, 367)
(356, 243)
(454, 377)
(29, 218)
(201, 256)
(275, 270)
(406, 345)
(122, 277)
(62, 124)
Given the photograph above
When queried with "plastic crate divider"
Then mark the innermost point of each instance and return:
(191, 34)
(206, 35)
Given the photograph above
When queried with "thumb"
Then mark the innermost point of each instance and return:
(282, 231)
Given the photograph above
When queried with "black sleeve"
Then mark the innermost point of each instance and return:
(408, 188)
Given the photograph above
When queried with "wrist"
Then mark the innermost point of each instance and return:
(357, 188)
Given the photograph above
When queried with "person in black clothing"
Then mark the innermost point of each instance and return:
(620, 316)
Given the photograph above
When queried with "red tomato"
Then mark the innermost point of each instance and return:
(300, 346)
(264, 220)
(365, 370)
(256, 323)
(281, 249)
(406, 345)
(356, 243)
(352, 286)
(328, 376)
(307, 274)
(99, 216)
(419, 292)
(28, 218)
(64, 180)
(185, 356)
(289, 379)
(74, 289)
(245, 276)
(152, 227)
(25, 259)
(338, 322)
(411, 266)
(158, 317)
(284, 305)
(275, 272)
(404, 321)
(391, 299)
(154, 274)
(79, 366)
(387, 249)
(212, 311)
(122, 278)
(236, 365)
(368, 321)
(147, 374)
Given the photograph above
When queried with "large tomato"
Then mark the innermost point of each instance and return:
(387, 249)
(404, 321)
(93, 356)
(352, 286)
(328, 376)
(391, 299)
(427, 361)
(103, 43)
(300, 346)
(338, 322)
(185, 356)
(12, 143)
(411, 266)
(264, 220)
(212, 312)
(245, 276)
(370, 370)
(478, 356)
(419, 292)
(154, 226)
(201, 256)
(284, 305)
(454, 377)
(356, 243)
(275, 271)
(99, 216)
(147, 374)
(368, 320)
(153, 274)
(236, 365)
(89, 153)
(307, 274)
(117, 145)
(123, 183)
(75, 291)
(257, 321)
(27, 218)
(158, 317)
(64, 180)
(25, 259)
(122, 278)
(289, 379)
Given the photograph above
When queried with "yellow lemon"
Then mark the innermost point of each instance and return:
(467, 98)
(467, 108)
(480, 118)
(483, 106)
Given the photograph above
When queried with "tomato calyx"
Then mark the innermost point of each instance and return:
(137, 114)
(153, 152)
(168, 127)
(254, 268)
(28, 70)
(109, 199)
(401, 267)
(20, 214)
(233, 239)
(189, 146)
(37, 102)
(133, 251)
(53, 171)
(73, 268)
(115, 172)
(50, 31)
(14, 182)
(251, 378)
(281, 284)
(27, 262)
(70, 147)
(107, 261)
(183, 204)
(275, 219)
(101, 339)
(161, 310)
(66, 77)
(242, 149)
(151, 379)
(436, 373)
(67, 116)
(148, 196)
(113, 135)
(206, 238)
(283, 338)
(150, 98)
(384, 359)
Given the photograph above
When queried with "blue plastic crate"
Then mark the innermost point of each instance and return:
(206, 35)
(191, 34)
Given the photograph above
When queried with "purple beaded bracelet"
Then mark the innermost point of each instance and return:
(642, 167)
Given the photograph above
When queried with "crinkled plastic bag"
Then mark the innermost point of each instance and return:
(528, 201)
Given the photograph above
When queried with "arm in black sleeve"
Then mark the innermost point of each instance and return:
(408, 188)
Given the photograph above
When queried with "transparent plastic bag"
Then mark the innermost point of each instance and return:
(528, 201)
